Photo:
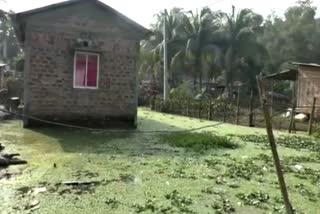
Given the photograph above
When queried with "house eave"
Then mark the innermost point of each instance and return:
(19, 19)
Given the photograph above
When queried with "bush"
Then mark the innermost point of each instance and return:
(316, 134)
(182, 92)
(19, 63)
(200, 141)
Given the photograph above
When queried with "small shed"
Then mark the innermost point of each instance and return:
(307, 79)
(80, 63)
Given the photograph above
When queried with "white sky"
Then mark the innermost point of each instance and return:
(142, 11)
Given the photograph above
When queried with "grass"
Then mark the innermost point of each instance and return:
(137, 173)
(200, 141)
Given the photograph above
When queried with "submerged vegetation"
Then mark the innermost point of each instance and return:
(71, 171)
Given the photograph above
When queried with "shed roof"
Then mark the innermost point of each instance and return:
(19, 18)
(284, 75)
(306, 64)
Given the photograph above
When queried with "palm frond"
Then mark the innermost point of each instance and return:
(177, 59)
(213, 53)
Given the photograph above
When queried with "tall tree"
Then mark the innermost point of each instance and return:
(9, 48)
(240, 32)
(154, 45)
(201, 46)
(294, 38)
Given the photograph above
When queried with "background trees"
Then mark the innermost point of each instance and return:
(294, 38)
(201, 47)
(9, 48)
(211, 46)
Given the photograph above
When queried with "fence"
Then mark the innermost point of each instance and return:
(246, 112)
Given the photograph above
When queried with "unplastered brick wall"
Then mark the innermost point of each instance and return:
(50, 75)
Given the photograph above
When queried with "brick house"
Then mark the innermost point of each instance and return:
(80, 63)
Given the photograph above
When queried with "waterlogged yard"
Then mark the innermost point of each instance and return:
(75, 171)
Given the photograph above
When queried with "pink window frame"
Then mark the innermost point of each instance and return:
(75, 66)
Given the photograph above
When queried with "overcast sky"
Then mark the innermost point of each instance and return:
(142, 11)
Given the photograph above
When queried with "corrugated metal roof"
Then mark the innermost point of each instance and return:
(306, 64)
(284, 75)
(19, 18)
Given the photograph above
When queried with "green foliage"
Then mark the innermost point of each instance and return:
(258, 199)
(306, 192)
(178, 200)
(139, 174)
(200, 141)
(7, 36)
(299, 142)
(232, 47)
(19, 62)
(294, 37)
(178, 204)
(149, 205)
(113, 202)
(316, 134)
(290, 141)
(182, 92)
(252, 138)
(205, 43)
(245, 170)
(224, 207)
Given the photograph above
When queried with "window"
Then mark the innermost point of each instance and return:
(86, 70)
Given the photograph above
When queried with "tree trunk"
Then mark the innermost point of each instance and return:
(200, 82)
(229, 72)
(194, 82)
(199, 70)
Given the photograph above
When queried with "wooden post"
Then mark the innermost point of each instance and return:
(273, 146)
(312, 115)
(238, 106)
(251, 124)
(293, 113)
(272, 98)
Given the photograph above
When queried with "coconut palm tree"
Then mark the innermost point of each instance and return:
(201, 45)
(154, 45)
(8, 43)
(241, 35)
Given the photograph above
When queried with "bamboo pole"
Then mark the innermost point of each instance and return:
(292, 126)
(165, 60)
(312, 116)
(273, 146)
(272, 98)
